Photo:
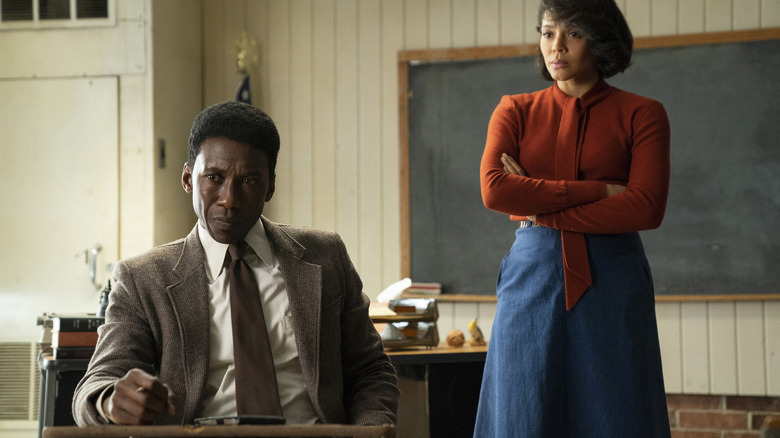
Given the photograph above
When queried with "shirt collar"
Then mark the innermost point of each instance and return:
(599, 91)
(215, 252)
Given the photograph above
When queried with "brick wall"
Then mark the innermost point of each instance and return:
(715, 416)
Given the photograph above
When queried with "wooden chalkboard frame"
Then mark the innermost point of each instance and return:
(410, 57)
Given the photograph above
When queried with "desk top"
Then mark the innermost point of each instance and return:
(440, 354)
(248, 430)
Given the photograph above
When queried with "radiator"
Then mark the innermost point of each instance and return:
(20, 382)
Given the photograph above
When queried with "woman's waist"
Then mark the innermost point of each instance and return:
(529, 233)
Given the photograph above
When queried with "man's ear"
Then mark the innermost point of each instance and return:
(186, 178)
(271, 188)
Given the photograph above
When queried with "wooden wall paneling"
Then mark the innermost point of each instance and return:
(663, 17)
(324, 109)
(135, 186)
(464, 313)
(747, 14)
(530, 34)
(770, 13)
(347, 223)
(213, 69)
(638, 16)
(488, 23)
(278, 102)
(236, 19)
(176, 83)
(446, 322)
(224, 22)
(698, 343)
(415, 24)
(369, 145)
(254, 20)
(440, 24)
(239, 16)
(751, 358)
(690, 15)
(723, 347)
(670, 338)
(301, 141)
(695, 348)
(392, 39)
(487, 314)
(717, 15)
(510, 22)
(772, 345)
(464, 30)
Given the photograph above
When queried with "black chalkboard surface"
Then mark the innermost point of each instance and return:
(721, 233)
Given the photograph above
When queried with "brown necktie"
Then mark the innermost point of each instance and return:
(576, 270)
(256, 389)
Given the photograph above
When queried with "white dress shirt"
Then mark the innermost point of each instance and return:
(220, 391)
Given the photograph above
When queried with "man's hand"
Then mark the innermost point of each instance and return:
(138, 398)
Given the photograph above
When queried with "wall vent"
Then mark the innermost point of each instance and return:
(20, 381)
(27, 14)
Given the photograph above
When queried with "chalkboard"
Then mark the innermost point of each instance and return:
(721, 233)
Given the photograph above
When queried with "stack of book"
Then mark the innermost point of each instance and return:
(75, 336)
(417, 288)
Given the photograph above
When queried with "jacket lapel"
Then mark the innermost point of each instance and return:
(304, 289)
(190, 301)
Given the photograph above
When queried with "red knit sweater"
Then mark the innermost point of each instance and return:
(624, 139)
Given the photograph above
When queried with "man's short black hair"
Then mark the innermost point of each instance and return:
(609, 37)
(239, 122)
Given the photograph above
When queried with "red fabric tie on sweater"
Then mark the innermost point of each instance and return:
(576, 269)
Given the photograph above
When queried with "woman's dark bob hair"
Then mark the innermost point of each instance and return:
(609, 38)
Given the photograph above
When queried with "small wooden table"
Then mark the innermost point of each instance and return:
(439, 390)
(441, 354)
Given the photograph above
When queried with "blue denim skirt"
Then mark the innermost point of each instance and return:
(594, 371)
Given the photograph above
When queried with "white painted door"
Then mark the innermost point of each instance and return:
(59, 167)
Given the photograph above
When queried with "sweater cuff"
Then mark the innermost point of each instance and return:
(584, 192)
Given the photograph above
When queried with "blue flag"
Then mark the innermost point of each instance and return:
(244, 94)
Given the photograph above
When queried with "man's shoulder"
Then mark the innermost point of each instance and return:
(162, 256)
(298, 239)
(309, 237)
(301, 231)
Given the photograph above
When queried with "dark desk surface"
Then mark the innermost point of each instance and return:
(441, 354)
(219, 431)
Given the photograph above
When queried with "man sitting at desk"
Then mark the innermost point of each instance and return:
(174, 348)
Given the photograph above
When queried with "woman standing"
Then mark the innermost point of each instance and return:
(583, 167)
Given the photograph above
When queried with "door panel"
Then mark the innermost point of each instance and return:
(59, 162)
